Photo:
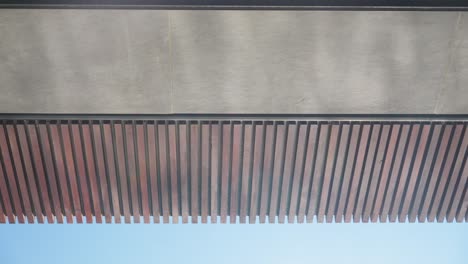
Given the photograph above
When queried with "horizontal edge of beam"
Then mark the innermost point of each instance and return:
(369, 5)
(239, 117)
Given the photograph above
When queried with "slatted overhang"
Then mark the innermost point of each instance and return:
(232, 168)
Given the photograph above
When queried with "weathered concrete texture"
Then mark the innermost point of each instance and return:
(132, 61)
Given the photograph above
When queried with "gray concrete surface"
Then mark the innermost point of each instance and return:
(135, 61)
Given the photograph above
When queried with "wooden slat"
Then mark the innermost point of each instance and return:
(317, 176)
(225, 169)
(402, 179)
(395, 171)
(414, 174)
(50, 170)
(329, 167)
(121, 169)
(184, 157)
(446, 171)
(363, 141)
(236, 172)
(8, 204)
(104, 133)
(204, 149)
(141, 158)
(164, 169)
(257, 173)
(386, 170)
(194, 174)
(287, 170)
(154, 167)
(348, 169)
(246, 172)
(82, 175)
(454, 179)
(132, 170)
(366, 174)
(280, 146)
(174, 173)
(435, 138)
(463, 207)
(60, 171)
(441, 154)
(11, 178)
(298, 171)
(91, 171)
(267, 171)
(337, 175)
(71, 173)
(376, 172)
(215, 170)
(30, 173)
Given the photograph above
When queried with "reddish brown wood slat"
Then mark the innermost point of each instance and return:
(317, 176)
(401, 181)
(446, 170)
(413, 177)
(338, 171)
(352, 150)
(60, 171)
(246, 172)
(94, 182)
(104, 133)
(399, 159)
(194, 162)
(82, 175)
(256, 173)
(46, 150)
(30, 173)
(225, 170)
(141, 159)
(86, 137)
(121, 169)
(376, 173)
(453, 179)
(163, 150)
(184, 157)
(459, 204)
(267, 171)
(328, 172)
(11, 178)
(463, 207)
(425, 175)
(280, 142)
(287, 170)
(132, 170)
(205, 172)
(366, 174)
(71, 173)
(14, 165)
(357, 172)
(173, 173)
(386, 170)
(2, 212)
(304, 189)
(298, 172)
(236, 172)
(215, 173)
(436, 171)
(4, 194)
(153, 160)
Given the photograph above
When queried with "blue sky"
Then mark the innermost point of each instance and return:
(309, 243)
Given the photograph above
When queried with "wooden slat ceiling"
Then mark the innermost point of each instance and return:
(217, 170)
